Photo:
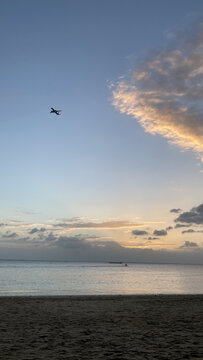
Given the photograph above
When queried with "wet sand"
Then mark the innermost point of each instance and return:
(101, 327)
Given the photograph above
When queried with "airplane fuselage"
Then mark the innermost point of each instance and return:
(53, 111)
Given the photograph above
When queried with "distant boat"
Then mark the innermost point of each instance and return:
(118, 262)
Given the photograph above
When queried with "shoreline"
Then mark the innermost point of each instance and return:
(79, 327)
(95, 296)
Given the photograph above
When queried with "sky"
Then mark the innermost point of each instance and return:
(118, 176)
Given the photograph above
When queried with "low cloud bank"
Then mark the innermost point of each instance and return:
(80, 248)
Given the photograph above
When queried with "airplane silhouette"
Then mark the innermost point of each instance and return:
(55, 111)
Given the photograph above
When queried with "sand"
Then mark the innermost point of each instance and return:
(101, 327)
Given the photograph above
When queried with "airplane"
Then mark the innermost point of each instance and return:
(55, 111)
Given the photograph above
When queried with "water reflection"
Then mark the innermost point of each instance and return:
(48, 278)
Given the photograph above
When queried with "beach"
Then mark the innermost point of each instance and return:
(101, 327)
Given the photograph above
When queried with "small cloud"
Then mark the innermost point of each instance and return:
(188, 244)
(139, 232)
(181, 226)
(176, 211)
(153, 238)
(188, 231)
(51, 238)
(192, 231)
(10, 235)
(169, 228)
(35, 230)
(160, 232)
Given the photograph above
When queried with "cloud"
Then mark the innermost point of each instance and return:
(180, 226)
(139, 232)
(160, 232)
(35, 230)
(192, 231)
(165, 91)
(189, 244)
(169, 228)
(93, 248)
(71, 242)
(176, 211)
(50, 238)
(115, 224)
(9, 235)
(194, 216)
(81, 242)
(188, 231)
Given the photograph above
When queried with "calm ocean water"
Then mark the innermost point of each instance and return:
(63, 278)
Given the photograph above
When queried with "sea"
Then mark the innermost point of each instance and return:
(37, 278)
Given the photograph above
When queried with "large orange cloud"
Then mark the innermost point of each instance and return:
(165, 91)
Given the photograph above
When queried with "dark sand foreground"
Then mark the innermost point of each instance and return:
(101, 327)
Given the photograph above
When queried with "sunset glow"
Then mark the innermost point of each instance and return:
(119, 174)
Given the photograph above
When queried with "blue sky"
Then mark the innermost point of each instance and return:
(95, 162)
